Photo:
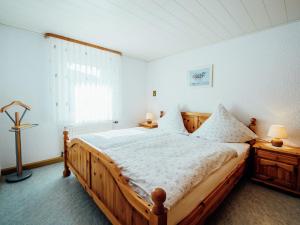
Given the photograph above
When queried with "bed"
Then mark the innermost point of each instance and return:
(112, 191)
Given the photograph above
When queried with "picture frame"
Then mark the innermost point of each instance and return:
(201, 76)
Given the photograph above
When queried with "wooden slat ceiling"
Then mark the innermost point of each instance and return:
(149, 29)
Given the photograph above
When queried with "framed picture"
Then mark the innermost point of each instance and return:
(201, 77)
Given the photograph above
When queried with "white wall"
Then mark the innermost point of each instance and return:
(254, 76)
(134, 95)
(23, 72)
(24, 76)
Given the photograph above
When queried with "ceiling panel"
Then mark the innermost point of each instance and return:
(276, 10)
(293, 9)
(257, 12)
(241, 16)
(216, 9)
(148, 29)
(135, 11)
(159, 14)
(180, 13)
(202, 15)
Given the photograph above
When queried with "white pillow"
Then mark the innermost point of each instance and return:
(221, 126)
(172, 122)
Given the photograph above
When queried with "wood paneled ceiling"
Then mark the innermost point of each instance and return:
(149, 29)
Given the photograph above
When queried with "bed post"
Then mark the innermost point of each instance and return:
(159, 212)
(252, 126)
(66, 172)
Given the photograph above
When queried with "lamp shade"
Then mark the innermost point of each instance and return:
(277, 131)
(149, 116)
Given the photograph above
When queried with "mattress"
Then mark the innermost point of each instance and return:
(203, 189)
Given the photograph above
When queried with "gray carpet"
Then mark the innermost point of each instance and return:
(48, 199)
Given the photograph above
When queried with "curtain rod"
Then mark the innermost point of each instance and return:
(82, 43)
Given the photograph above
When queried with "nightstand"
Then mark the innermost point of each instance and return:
(148, 125)
(277, 166)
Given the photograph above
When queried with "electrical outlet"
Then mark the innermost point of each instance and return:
(154, 93)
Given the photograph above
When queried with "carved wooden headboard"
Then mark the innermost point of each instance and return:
(192, 120)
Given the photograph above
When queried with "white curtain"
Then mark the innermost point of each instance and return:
(86, 83)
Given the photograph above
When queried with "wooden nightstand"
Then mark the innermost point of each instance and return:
(277, 166)
(148, 125)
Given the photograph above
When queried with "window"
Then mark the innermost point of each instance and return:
(86, 83)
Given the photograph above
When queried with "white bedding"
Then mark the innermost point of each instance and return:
(151, 159)
(203, 189)
(116, 138)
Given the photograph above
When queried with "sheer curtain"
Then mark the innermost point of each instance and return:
(86, 83)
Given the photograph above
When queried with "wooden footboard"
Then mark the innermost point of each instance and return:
(103, 181)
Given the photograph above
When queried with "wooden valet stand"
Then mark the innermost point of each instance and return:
(20, 174)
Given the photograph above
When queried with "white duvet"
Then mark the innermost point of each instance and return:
(174, 162)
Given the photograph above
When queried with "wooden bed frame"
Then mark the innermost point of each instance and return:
(104, 182)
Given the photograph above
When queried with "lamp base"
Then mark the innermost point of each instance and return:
(277, 142)
(149, 121)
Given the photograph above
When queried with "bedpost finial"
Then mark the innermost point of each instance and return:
(66, 134)
(158, 197)
(252, 125)
(253, 121)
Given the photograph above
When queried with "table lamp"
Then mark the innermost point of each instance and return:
(277, 132)
(149, 117)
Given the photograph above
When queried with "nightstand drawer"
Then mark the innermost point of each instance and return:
(287, 167)
(277, 157)
(277, 167)
(276, 172)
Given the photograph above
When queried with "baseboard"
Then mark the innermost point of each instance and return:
(33, 165)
